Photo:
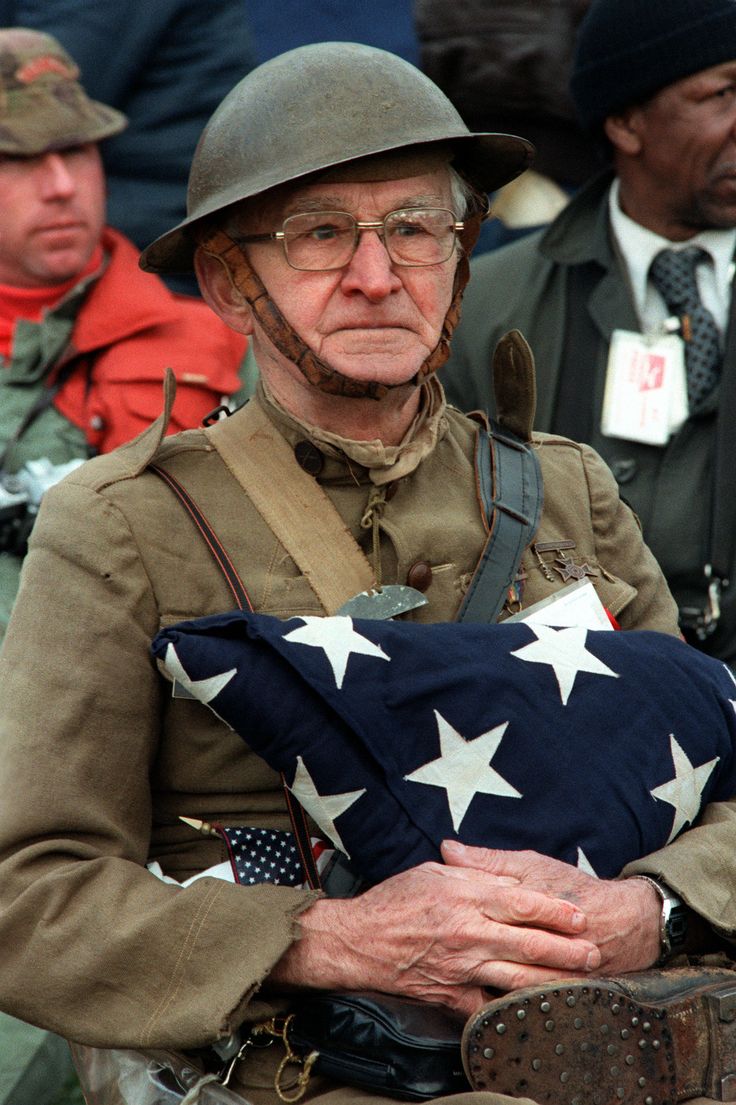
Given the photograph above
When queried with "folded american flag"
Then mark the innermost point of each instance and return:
(589, 746)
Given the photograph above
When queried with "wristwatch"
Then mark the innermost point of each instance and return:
(673, 920)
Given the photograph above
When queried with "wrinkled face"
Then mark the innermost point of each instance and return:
(52, 210)
(688, 150)
(371, 320)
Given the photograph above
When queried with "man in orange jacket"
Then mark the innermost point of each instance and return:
(85, 336)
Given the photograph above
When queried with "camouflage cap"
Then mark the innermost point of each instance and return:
(42, 104)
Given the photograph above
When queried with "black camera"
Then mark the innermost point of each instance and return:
(16, 520)
(20, 497)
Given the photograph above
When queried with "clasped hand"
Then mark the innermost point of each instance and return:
(484, 920)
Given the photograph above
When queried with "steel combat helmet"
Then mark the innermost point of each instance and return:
(325, 108)
(314, 108)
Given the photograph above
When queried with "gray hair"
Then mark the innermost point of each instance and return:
(461, 192)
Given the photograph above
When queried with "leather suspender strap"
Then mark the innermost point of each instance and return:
(293, 506)
(303, 837)
(211, 539)
(296, 814)
(510, 485)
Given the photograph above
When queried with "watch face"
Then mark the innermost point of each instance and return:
(676, 926)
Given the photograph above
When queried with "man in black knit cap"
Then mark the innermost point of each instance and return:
(626, 298)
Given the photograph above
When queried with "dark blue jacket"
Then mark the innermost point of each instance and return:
(387, 24)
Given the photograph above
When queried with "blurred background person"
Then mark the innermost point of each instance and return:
(85, 336)
(627, 298)
(505, 64)
(166, 65)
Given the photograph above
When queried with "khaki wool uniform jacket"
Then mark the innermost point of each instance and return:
(98, 761)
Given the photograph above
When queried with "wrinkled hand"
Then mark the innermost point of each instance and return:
(622, 914)
(440, 934)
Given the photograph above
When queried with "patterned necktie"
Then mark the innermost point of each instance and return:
(673, 274)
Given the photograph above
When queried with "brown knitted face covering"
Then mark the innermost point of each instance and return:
(319, 373)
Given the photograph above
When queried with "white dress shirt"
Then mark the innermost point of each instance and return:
(638, 247)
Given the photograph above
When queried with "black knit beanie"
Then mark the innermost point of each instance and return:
(629, 49)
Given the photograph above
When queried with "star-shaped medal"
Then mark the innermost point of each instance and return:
(565, 652)
(568, 569)
(685, 791)
(338, 639)
(463, 769)
(322, 808)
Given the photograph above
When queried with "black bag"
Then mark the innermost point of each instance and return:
(402, 1048)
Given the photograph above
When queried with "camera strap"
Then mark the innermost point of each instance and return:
(41, 403)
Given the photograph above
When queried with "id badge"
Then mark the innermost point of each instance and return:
(577, 604)
(645, 397)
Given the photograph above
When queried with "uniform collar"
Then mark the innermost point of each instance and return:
(381, 463)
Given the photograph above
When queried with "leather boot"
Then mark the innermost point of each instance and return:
(647, 1038)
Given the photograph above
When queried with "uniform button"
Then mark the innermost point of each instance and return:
(97, 422)
(419, 575)
(624, 470)
(309, 457)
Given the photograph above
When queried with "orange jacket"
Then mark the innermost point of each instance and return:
(129, 329)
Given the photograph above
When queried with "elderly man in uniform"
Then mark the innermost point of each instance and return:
(627, 298)
(333, 201)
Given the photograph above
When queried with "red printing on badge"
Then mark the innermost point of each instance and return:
(38, 67)
(647, 370)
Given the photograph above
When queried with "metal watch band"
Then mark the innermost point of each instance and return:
(673, 921)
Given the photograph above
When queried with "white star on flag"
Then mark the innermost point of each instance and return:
(203, 689)
(323, 808)
(733, 680)
(585, 865)
(463, 769)
(685, 791)
(338, 639)
(564, 650)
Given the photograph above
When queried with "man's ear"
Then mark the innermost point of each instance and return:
(624, 131)
(219, 292)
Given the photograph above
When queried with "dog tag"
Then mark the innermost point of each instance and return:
(381, 605)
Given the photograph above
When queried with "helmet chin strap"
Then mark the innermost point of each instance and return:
(318, 372)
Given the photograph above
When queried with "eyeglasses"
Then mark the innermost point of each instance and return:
(322, 240)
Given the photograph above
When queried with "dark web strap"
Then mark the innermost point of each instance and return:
(511, 488)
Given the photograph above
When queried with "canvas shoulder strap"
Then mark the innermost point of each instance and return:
(293, 506)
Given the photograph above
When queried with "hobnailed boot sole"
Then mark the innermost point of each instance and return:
(592, 1043)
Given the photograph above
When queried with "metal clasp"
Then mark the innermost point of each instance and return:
(278, 1027)
(703, 621)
